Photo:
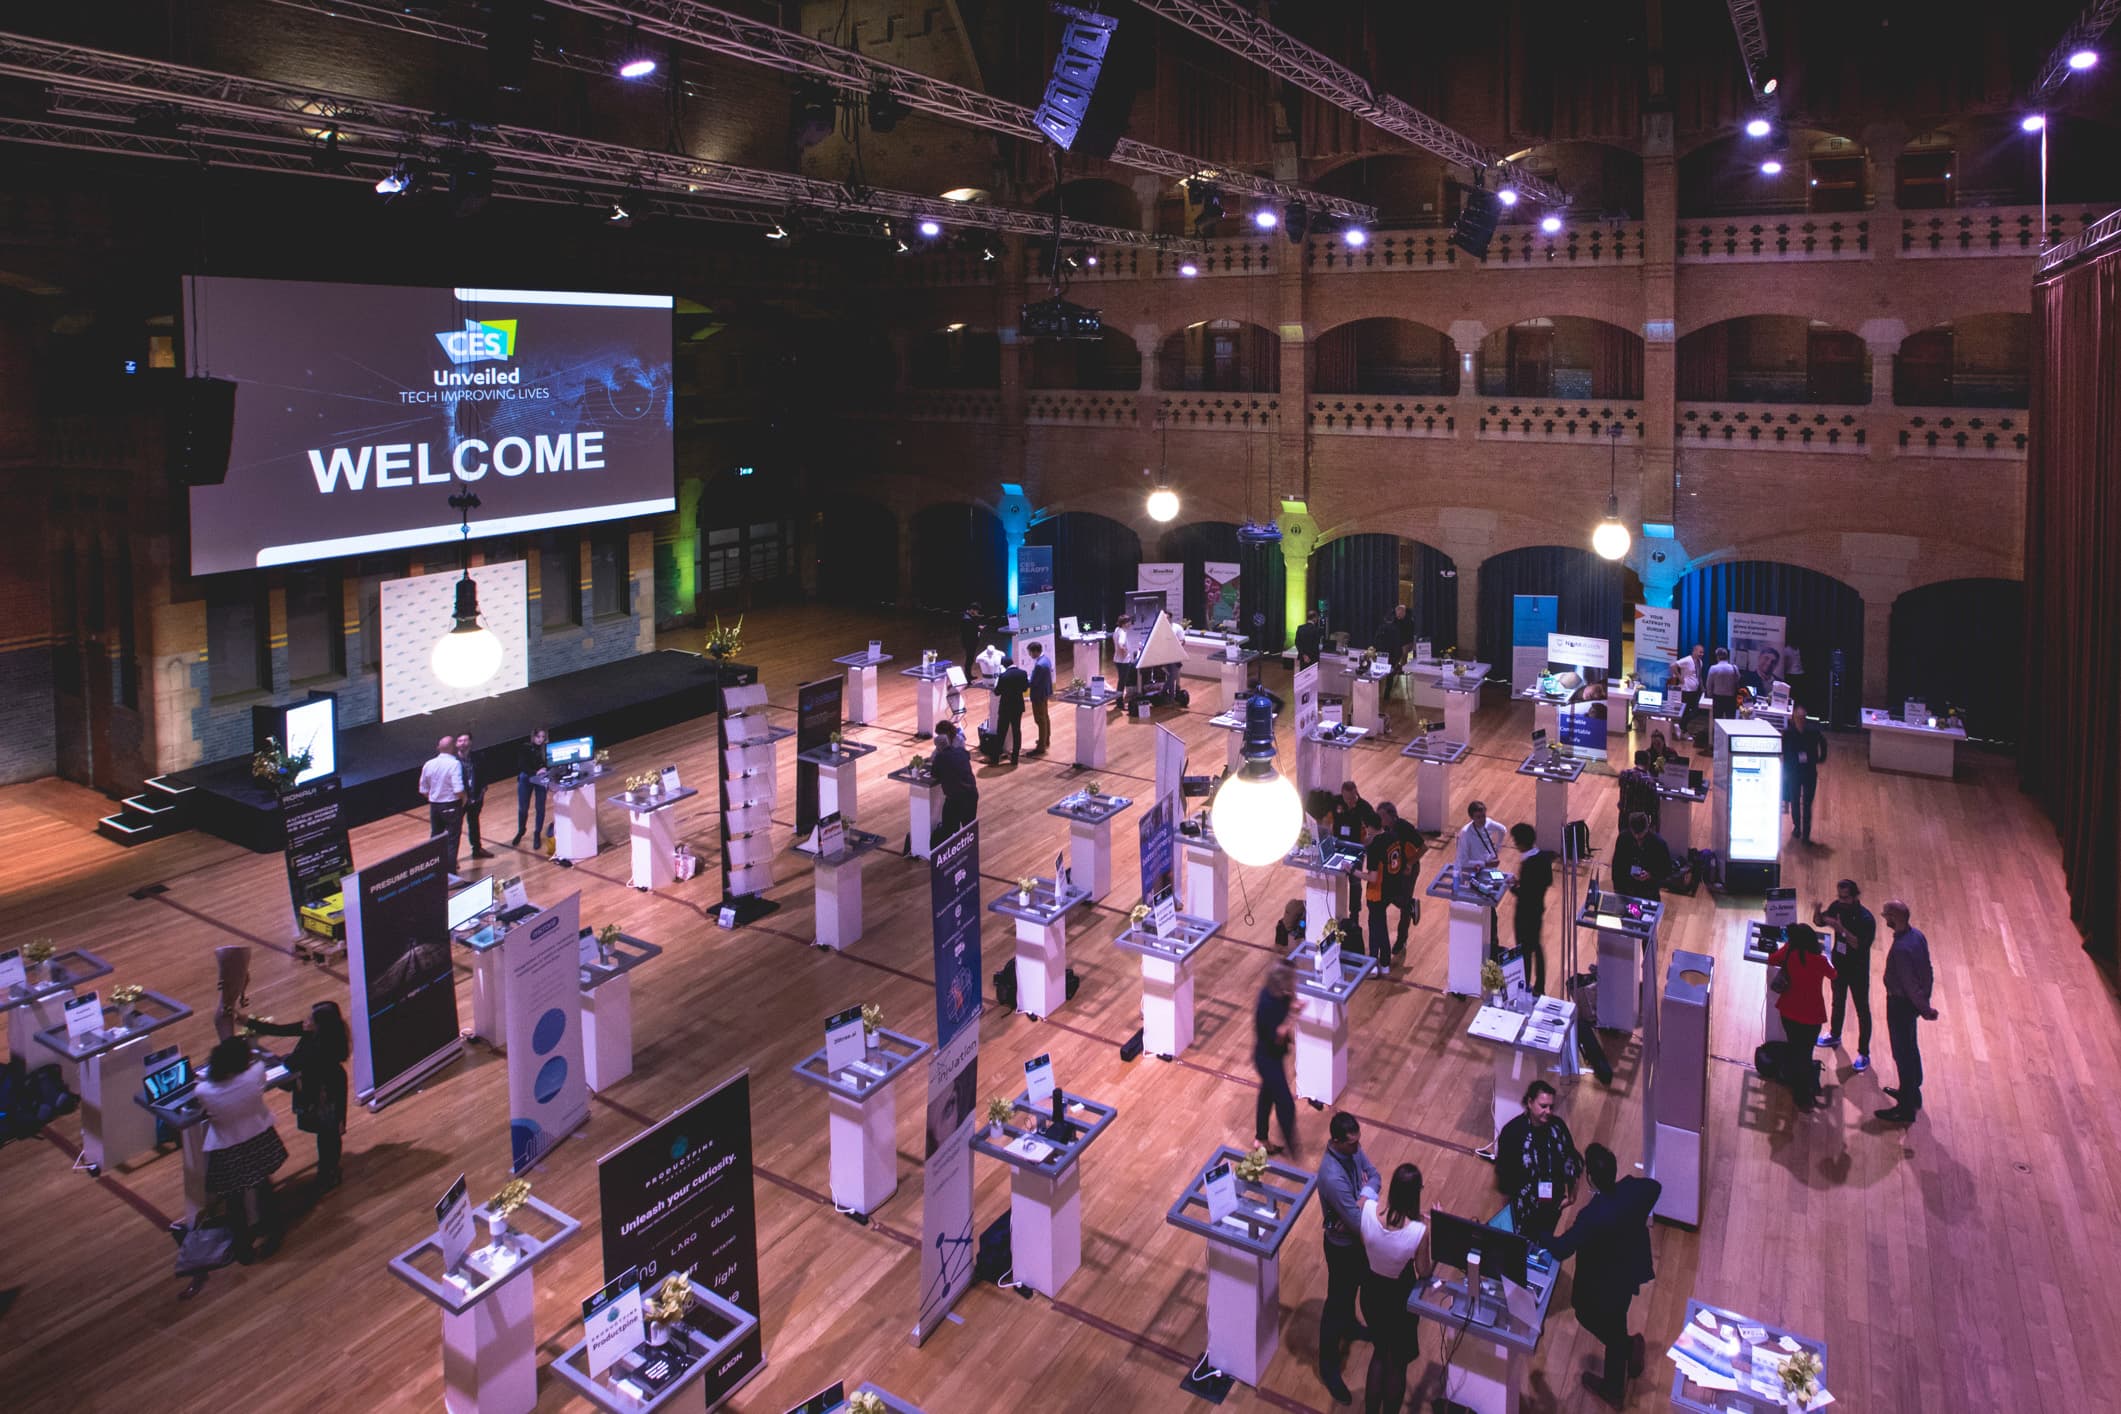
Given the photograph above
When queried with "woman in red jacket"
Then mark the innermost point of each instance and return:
(1803, 1007)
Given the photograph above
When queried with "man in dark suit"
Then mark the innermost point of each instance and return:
(1309, 639)
(1009, 691)
(1642, 861)
(952, 768)
(1610, 1240)
(474, 796)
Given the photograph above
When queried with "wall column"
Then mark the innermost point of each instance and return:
(1468, 538)
(1299, 537)
(1881, 569)
(1660, 303)
(1291, 462)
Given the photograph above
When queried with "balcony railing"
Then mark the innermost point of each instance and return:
(1775, 427)
(1981, 231)
(1514, 248)
(1219, 412)
(940, 405)
(1354, 415)
(1559, 421)
(1995, 435)
(1065, 408)
(1748, 240)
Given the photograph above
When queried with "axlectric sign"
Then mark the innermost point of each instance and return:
(361, 408)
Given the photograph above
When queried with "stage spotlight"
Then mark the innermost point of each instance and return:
(1771, 168)
(1550, 224)
(2033, 122)
(620, 216)
(1356, 236)
(992, 246)
(1189, 269)
(1758, 127)
(1507, 196)
(885, 110)
(1211, 208)
(816, 112)
(1770, 86)
(398, 179)
(2083, 59)
(776, 232)
(636, 60)
(1265, 219)
(1090, 260)
(900, 242)
(1295, 222)
(931, 229)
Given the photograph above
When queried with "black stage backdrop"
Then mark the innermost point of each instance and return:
(1823, 615)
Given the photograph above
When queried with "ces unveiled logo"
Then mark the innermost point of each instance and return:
(479, 342)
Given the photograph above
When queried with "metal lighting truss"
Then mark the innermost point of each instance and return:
(735, 37)
(2083, 34)
(98, 84)
(1236, 29)
(1752, 40)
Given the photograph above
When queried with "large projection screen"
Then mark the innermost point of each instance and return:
(360, 409)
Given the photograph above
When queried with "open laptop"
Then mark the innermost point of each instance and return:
(1649, 697)
(168, 1079)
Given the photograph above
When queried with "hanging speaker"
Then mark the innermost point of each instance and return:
(201, 423)
(1096, 74)
(1476, 222)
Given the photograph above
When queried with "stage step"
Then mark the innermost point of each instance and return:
(150, 815)
(141, 805)
(163, 785)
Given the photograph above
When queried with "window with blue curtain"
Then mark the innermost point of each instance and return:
(1095, 562)
(1587, 590)
(1824, 615)
(1960, 643)
(957, 557)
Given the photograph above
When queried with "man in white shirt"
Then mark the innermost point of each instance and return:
(1688, 670)
(442, 783)
(1721, 681)
(1479, 841)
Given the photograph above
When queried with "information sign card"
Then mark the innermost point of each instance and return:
(84, 1016)
(1038, 1078)
(611, 1320)
(453, 1225)
(843, 1039)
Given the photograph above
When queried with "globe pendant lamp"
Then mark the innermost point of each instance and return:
(1255, 814)
(469, 654)
(1611, 539)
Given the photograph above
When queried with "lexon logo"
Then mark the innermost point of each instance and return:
(479, 341)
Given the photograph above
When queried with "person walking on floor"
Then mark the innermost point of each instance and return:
(1803, 748)
(1536, 1164)
(1392, 862)
(1392, 1233)
(532, 781)
(474, 794)
(1271, 1035)
(442, 784)
(1720, 683)
(1909, 980)
(1610, 1241)
(1009, 692)
(1801, 1004)
(1346, 1179)
(243, 1149)
(1854, 929)
(951, 766)
(1535, 875)
(1041, 695)
(318, 1064)
(1687, 672)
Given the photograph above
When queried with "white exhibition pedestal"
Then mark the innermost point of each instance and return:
(26, 1019)
(655, 841)
(489, 1354)
(930, 704)
(607, 1032)
(836, 788)
(1088, 657)
(1471, 927)
(1235, 676)
(1620, 955)
(1321, 1049)
(924, 809)
(1459, 705)
(1920, 750)
(861, 693)
(1206, 874)
(839, 901)
(1090, 734)
(1551, 812)
(1432, 799)
(864, 1149)
(1046, 1227)
(1167, 1005)
(1234, 758)
(1324, 900)
(1363, 710)
(1041, 966)
(1486, 1377)
(113, 1128)
(1244, 1311)
(1310, 767)
(1546, 717)
(574, 822)
(1090, 855)
(1675, 819)
(489, 997)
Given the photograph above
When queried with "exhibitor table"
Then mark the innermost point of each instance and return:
(1432, 778)
(1204, 872)
(1235, 663)
(1325, 884)
(185, 1116)
(573, 799)
(1232, 721)
(1311, 748)
(1555, 775)
(835, 762)
(1472, 924)
(1924, 749)
(654, 834)
(863, 1117)
(924, 807)
(39, 1005)
(1041, 943)
(1546, 708)
(1492, 1348)
(1676, 816)
(1045, 1186)
(1526, 1046)
(931, 690)
(1741, 1363)
(836, 882)
(1167, 980)
(1453, 685)
(1087, 654)
(1244, 1258)
(489, 982)
(109, 1060)
(694, 1351)
(1627, 962)
(1089, 820)
(607, 1006)
(861, 684)
(1093, 708)
(1322, 997)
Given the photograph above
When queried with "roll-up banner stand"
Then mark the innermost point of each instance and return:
(1760, 650)
(319, 855)
(1034, 605)
(1656, 645)
(400, 973)
(1582, 721)
(947, 1247)
(1532, 618)
(548, 1087)
(1168, 581)
(817, 717)
(1218, 595)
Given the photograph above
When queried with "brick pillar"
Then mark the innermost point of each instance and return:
(1291, 472)
(1468, 537)
(1660, 304)
(1880, 568)
(1885, 142)
(1009, 300)
(1466, 335)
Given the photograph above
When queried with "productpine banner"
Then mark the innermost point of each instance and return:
(947, 1247)
(1219, 594)
(318, 852)
(548, 1090)
(1656, 644)
(818, 706)
(1034, 624)
(678, 1198)
(1169, 580)
(400, 972)
(1532, 618)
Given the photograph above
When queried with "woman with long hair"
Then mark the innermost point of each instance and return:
(1392, 1234)
(243, 1149)
(1802, 1006)
(318, 1065)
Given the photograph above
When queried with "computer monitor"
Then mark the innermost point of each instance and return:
(574, 751)
(467, 903)
(1453, 1240)
(1647, 697)
(168, 1081)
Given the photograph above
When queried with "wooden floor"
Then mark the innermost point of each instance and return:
(1963, 1264)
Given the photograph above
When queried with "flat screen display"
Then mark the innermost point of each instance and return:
(360, 409)
(312, 726)
(171, 1078)
(1756, 806)
(571, 751)
(468, 903)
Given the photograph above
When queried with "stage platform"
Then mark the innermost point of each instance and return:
(379, 764)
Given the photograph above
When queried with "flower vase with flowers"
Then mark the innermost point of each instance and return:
(873, 1024)
(665, 1308)
(998, 1112)
(502, 1205)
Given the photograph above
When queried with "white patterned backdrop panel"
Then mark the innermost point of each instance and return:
(419, 610)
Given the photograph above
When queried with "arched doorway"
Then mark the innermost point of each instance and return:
(748, 521)
(1588, 593)
(1261, 575)
(1220, 356)
(1386, 357)
(1362, 576)
(1824, 617)
(1095, 562)
(857, 552)
(1960, 643)
(957, 557)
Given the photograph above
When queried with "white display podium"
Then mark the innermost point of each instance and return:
(1087, 655)
(691, 1349)
(1244, 1260)
(1678, 1108)
(1204, 872)
(860, 704)
(187, 1118)
(1432, 779)
(1325, 883)
(1435, 679)
(1626, 930)
(1092, 710)
(1472, 924)
(1546, 709)
(1045, 1186)
(489, 984)
(931, 695)
(1919, 748)
(1235, 669)
(1041, 943)
(489, 1336)
(863, 1118)
(924, 808)
(1167, 980)
(1492, 1352)
(1526, 1045)
(1089, 820)
(1461, 702)
(1232, 722)
(837, 885)
(838, 768)
(607, 1010)
(1319, 762)
(109, 1062)
(574, 815)
(40, 1004)
(1554, 774)
(1675, 817)
(654, 834)
(1322, 1020)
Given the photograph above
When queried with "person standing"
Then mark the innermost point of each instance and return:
(971, 625)
(1536, 1164)
(474, 794)
(1642, 861)
(1272, 1032)
(1041, 695)
(1010, 690)
(1479, 843)
(1854, 929)
(1123, 671)
(1346, 1179)
(1909, 980)
(1392, 1234)
(1610, 1241)
(1392, 862)
(951, 765)
(1638, 792)
(442, 783)
(1802, 1006)
(1687, 672)
(243, 1149)
(318, 1064)
(1310, 638)
(533, 779)
(1803, 748)
(1720, 682)
(1393, 638)
(1535, 875)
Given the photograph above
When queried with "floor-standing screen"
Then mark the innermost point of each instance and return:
(360, 409)
(1756, 802)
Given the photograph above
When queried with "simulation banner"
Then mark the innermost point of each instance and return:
(1656, 645)
(678, 1198)
(1532, 618)
(1158, 838)
(1034, 624)
(1166, 580)
(1582, 722)
(360, 409)
(947, 1247)
(318, 852)
(1219, 594)
(401, 975)
(1758, 649)
(548, 1088)
(818, 709)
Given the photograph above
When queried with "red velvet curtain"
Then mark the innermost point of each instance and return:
(1261, 349)
(1335, 366)
(1704, 365)
(1616, 362)
(2071, 759)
